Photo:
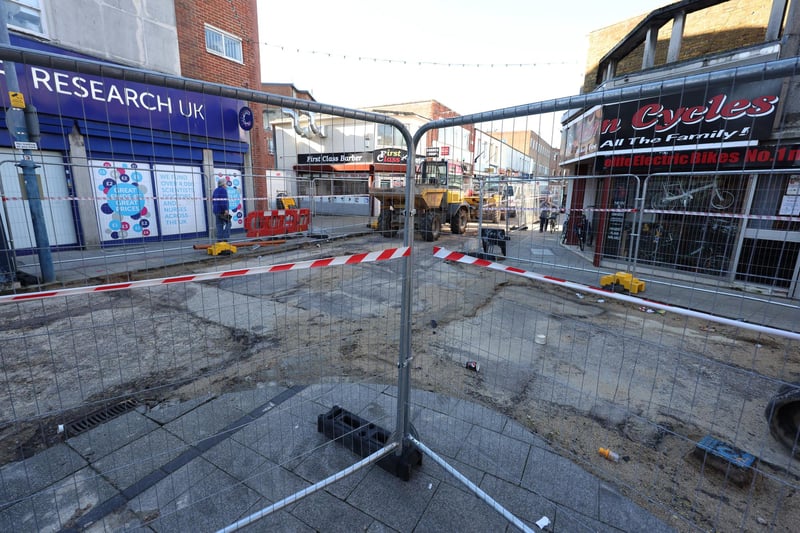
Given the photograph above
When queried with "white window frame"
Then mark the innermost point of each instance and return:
(35, 6)
(382, 135)
(226, 38)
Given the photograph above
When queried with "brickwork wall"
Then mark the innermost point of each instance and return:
(286, 89)
(239, 18)
(726, 26)
(282, 89)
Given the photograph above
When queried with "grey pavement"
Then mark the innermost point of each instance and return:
(202, 465)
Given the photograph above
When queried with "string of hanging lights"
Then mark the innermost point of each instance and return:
(353, 57)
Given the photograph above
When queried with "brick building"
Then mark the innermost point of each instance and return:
(543, 156)
(229, 21)
(697, 181)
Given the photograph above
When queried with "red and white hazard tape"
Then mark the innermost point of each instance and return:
(104, 197)
(784, 218)
(447, 255)
(369, 257)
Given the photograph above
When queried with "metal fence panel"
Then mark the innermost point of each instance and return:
(547, 364)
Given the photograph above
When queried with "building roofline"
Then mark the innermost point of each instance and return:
(656, 18)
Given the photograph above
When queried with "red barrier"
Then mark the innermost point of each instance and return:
(277, 222)
(304, 219)
(290, 221)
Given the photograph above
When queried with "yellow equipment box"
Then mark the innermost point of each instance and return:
(221, 248)
(624, 279)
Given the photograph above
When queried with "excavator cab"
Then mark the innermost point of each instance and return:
(433, 173)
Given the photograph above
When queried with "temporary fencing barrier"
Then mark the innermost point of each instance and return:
(277, 222)
(516, 373)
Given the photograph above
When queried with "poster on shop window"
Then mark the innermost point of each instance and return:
(179, 190)
(235, 194)
(124, 202)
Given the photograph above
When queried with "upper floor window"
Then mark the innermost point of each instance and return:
(26, 15)
(223, 44)
(388, 135)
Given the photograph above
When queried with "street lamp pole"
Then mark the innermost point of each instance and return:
(23, 126)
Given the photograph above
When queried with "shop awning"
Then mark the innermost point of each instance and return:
(352, 167)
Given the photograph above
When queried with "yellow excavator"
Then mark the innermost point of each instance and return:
(443, 195)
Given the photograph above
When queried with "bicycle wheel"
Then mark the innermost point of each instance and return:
(715, 264)
(659, 201)
(722, 199)
(667, 253)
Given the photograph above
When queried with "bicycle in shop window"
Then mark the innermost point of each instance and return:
(580, 227)
(710, 253)
(674, 195)
(657, 244)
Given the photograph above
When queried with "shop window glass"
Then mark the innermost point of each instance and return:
(776, 195)
(689, 222)
(768, 262)
(703, 193)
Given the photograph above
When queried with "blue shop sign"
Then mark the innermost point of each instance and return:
(94, 98)
(246, 118)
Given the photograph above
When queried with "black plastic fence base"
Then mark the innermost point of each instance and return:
(365, 438)
(494, 237)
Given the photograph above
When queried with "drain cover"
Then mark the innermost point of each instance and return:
(94, 419)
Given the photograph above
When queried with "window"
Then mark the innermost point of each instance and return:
(223, 44)
(388, 135)
(25, 15)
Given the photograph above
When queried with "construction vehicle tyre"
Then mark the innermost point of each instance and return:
(783, 416)
(497, 215)
(432, 227)
(458, 224)
(436, 228)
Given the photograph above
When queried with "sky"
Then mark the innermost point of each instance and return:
(470, 55)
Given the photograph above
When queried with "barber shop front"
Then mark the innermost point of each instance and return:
(339, 182)
(694, 182)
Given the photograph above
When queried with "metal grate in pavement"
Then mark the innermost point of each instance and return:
(94, 419)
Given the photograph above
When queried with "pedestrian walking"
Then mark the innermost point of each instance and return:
(222, 217)
(544, 217)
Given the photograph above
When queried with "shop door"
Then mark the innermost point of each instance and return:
(56, 201)
(770, 250)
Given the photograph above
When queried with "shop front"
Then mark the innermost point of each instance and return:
(693, 182)
(120, 161)
(338, 183)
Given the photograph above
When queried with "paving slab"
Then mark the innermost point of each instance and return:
(57, 505)
(197, 497)
(112, 435)
(225, 463)
(23, 478)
